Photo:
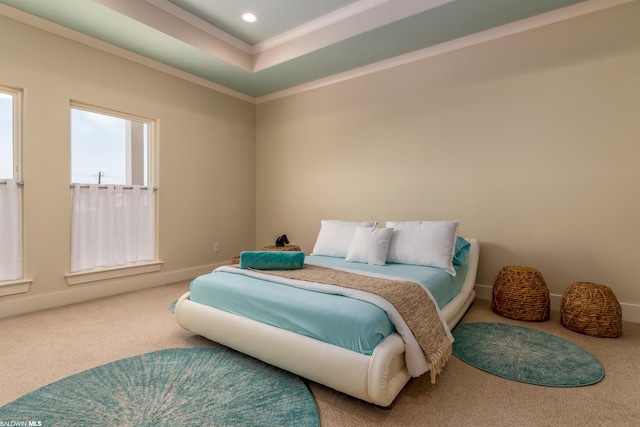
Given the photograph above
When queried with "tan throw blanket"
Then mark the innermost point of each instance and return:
(413, 303)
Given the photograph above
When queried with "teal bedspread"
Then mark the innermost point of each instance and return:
(350, 323)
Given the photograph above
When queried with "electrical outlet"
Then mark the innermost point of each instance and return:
(216, 247)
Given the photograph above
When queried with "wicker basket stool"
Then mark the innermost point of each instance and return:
(591, 309)
(521, 293)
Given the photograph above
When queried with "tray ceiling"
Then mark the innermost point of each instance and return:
(293, 42)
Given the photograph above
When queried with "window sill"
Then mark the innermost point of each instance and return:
(112, 273)
(12, 287)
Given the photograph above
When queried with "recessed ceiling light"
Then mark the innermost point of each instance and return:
(249, 17)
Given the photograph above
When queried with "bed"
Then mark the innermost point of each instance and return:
(375, 371)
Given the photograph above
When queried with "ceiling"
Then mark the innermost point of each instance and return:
(293, 42)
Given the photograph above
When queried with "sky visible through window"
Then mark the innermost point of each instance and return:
(6, 136)
(99, 148)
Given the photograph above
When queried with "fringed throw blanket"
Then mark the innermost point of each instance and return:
(409, 306)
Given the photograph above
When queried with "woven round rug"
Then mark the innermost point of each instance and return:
(525, 355)
(203, 386)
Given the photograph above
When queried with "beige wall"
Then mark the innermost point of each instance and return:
(533, 141)
(206, 161)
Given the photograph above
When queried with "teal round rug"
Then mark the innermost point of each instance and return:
(525, 355)
(203, 386)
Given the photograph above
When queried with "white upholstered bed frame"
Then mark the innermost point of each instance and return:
(377, 378)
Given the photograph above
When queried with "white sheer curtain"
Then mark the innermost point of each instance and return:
(10, 231)
(111, 226)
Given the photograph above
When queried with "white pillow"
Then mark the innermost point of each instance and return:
(334, 238)
(370, 245)
(430, 243)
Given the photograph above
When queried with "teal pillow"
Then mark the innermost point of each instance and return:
(462, 251)
(272, 260)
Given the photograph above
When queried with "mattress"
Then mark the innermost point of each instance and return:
(442, 286)
(347, 322)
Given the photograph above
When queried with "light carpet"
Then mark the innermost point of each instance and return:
(42, 347)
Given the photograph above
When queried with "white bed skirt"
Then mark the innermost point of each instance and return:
(377, 378)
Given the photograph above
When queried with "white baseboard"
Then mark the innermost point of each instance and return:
(630, 312)
(74, 294)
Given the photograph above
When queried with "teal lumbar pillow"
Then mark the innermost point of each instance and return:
(272, 260)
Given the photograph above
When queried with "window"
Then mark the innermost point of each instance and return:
(11, 256)
(8, 134)
(108, 149)
(112, 198)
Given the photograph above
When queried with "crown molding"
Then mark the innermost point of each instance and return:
(166, 22)
(527, 24)
(569, 12)
(334, 27)
(67, 33)
(203, 25)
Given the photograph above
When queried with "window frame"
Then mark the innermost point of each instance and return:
(17, 131)
(128, 270)
(21, 285)
(151, 142)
